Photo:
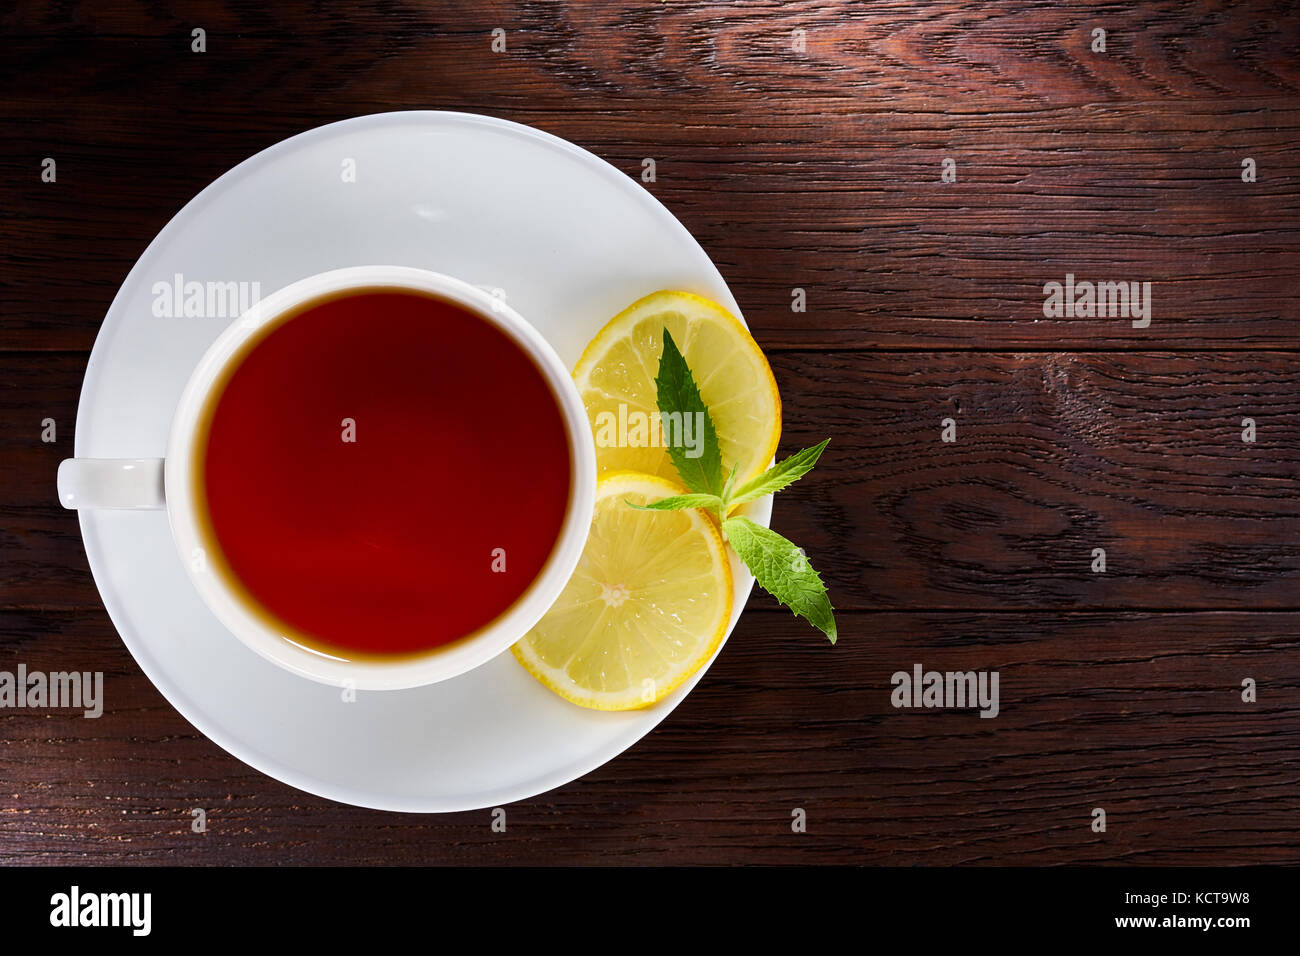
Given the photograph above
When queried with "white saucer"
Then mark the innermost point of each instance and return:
(570, 239)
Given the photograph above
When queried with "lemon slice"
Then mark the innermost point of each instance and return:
(646, 608)
(616, 378)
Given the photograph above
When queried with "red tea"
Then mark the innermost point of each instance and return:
(384, 473)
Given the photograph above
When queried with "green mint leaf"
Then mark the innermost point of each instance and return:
(731, 483)
(783, 571)
(678, 502)
(682, 412)
(780, 475)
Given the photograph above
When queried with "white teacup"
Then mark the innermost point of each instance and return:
(157, 483)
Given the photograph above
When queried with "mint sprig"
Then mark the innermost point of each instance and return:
(782, 570)
(778, 565)
(680, 407)
(780, 476)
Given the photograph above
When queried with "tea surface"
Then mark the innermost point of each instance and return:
(384, 473)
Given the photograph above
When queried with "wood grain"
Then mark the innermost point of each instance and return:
(816, 169)
(1117, 166)
(1138, 714)
(1137, 453)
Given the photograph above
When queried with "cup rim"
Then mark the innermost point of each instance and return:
(442, 663)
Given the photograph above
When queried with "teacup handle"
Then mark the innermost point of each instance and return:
(121, 483)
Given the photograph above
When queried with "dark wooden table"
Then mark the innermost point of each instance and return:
(817, 168)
